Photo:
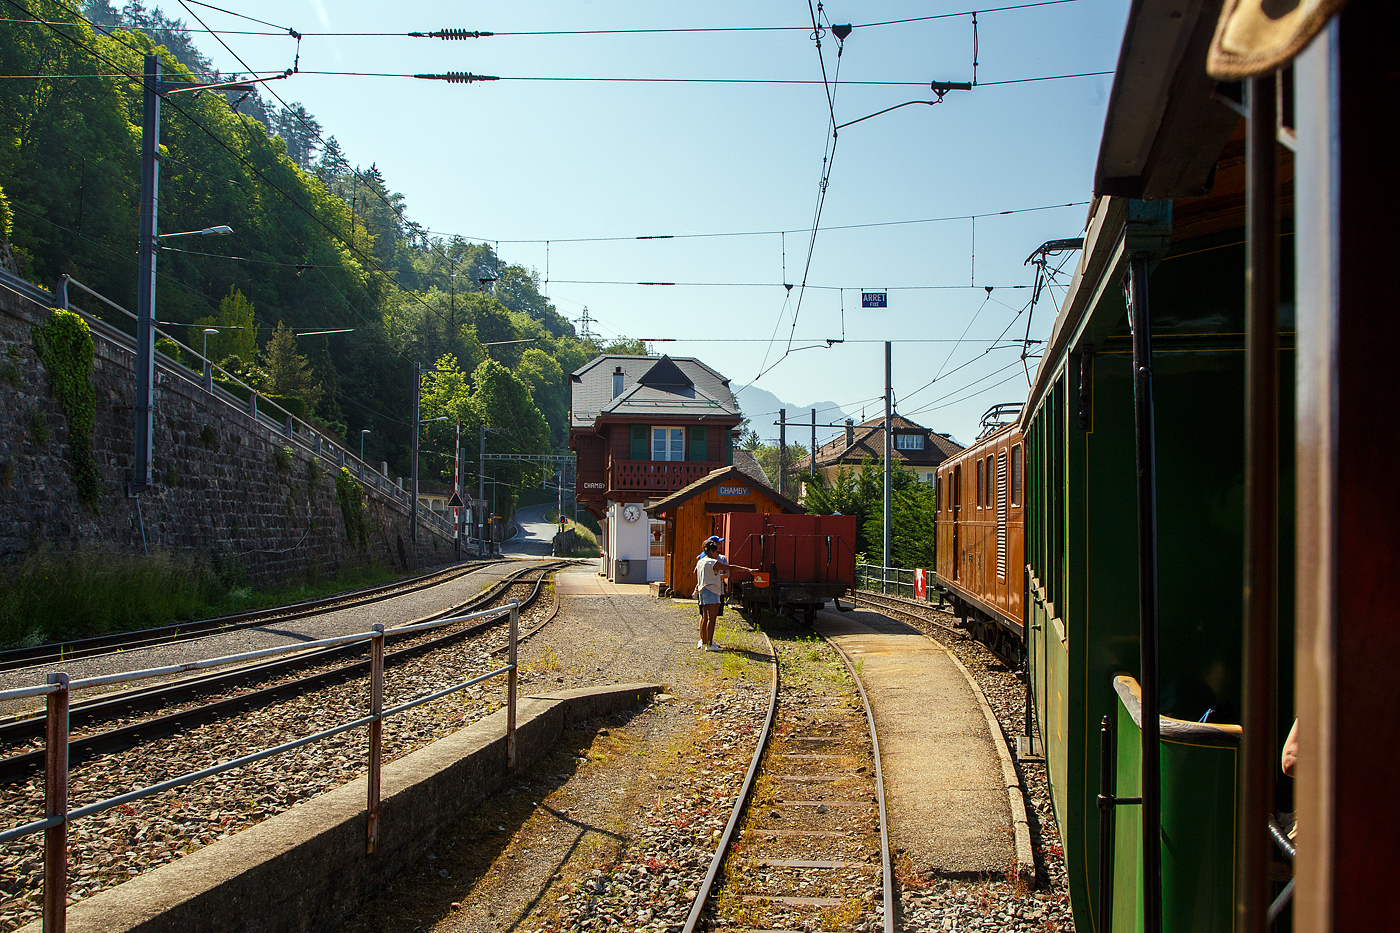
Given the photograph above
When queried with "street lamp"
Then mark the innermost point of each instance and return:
(363, 432)
(205, 352)
(220, 230)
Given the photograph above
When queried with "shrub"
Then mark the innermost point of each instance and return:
(66, 349)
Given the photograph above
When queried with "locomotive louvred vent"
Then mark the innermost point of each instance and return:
(1001, 516)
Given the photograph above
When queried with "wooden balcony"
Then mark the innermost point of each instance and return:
(659, 475)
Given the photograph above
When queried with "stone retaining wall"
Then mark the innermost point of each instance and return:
(222, 491)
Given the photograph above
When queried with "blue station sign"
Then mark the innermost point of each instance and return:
(874, 299)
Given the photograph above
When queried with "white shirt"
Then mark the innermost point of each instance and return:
(707, 575)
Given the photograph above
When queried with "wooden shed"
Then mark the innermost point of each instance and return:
(690, 513)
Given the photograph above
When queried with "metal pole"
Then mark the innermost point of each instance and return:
(814, 443)
(782, 447)
(480, 494)
(511, 682)
(1257, 757)
(376, 736)
(417, 390)
(56, 805)
(889, 454)
(144, 407)
(1140, 320)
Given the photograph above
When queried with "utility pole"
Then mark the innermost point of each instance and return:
(146, 277)
(889, 454)
(481, 493)
(782, 447)
(417, 388)
(814, 445)
(457, 488)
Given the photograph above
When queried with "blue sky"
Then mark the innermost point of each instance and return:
(518, 160)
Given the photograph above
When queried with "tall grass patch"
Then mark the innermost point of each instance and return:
(91, 591)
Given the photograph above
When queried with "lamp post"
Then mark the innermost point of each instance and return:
(363, 432)
(204, 355)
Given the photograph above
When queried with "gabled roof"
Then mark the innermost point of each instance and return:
(654, 387)
(716, 477)
(870, 442)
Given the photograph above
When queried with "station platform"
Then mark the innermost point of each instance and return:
(584, 581)
(946, 774)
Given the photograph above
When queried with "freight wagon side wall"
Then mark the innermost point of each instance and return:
(793, 547)
(222, 491)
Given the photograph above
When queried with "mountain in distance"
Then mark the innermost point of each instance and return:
(762, 406)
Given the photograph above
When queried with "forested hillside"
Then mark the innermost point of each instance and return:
(319, 243)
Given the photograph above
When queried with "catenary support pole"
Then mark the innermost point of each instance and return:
(144, 409)
(782, 449)
(889, 454)
(814, 443)
(1257, 754)
(481, 495)
(417, 391)
(1140, 320)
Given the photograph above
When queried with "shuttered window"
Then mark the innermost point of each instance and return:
(1001, 515)
(641, 449)
(696, 446)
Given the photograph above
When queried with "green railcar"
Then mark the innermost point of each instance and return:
(1166, 230)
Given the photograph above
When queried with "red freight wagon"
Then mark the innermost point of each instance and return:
(803, 560)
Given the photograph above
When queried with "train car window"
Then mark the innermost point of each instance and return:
(1016, 475)
(981, 467)
(991, 482)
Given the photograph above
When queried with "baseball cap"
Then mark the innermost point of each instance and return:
(714, 538)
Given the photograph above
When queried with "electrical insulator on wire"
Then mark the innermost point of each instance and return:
(458, 77)
(452, 34)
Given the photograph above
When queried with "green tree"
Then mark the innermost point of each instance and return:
(542, 374)
(238, 331)
(288, 372)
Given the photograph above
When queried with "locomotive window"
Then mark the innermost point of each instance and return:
(991, 482)
(981, 468)
(1016, 475)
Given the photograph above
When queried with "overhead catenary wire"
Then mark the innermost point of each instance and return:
(474, 33)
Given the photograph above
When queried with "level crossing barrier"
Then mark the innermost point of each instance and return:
(60, 687)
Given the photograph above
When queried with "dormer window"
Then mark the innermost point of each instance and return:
(908, 442)
(618, 380)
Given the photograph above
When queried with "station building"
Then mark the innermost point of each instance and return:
(645, 427)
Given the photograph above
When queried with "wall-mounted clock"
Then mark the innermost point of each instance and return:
(630, 513)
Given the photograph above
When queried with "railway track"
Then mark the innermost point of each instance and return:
(807, 843)
(295, 676)
(55, 652)
(937, 618)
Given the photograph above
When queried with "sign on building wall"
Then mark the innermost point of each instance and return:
(733, 490)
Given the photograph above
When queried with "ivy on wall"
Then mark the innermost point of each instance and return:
(66, 349)
(352, 507)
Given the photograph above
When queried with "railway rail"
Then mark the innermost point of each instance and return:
(937, 617)
(54, 652)
(761, 883)
(320, 675)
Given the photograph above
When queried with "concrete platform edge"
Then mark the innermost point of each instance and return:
(306, 869)
(1016, 797)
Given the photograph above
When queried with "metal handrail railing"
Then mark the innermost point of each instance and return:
(885, 579)
(59, 688)
(310, 437)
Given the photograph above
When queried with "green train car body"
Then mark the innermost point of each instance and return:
(1082, 548)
